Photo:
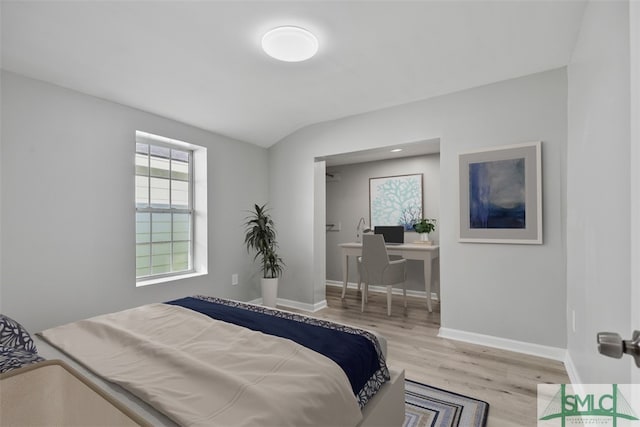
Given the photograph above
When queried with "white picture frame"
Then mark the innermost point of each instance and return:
(501, 194)
(395, 200)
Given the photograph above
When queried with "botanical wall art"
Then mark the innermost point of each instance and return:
(501, 194)
(395, 200)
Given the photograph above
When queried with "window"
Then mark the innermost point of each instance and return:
(164, 209)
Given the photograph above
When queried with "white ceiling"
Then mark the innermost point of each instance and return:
(200, 62)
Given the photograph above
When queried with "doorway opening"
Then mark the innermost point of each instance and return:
(342, 204)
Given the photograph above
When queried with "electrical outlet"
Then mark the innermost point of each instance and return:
(234, 279)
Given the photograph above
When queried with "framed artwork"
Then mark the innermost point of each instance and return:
(395, 200)
(501, 194)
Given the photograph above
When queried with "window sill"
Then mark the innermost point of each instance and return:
(166, 279)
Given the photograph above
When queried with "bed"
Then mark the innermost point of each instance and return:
(208, 361)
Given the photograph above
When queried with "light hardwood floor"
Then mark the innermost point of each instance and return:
(505, 379)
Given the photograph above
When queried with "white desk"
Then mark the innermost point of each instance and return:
(418, 251)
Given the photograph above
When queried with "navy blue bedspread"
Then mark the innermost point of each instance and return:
(356, 351)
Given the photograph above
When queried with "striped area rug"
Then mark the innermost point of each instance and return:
(433, 407)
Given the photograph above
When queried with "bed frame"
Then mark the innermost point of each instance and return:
(386, 407)
(59, 395)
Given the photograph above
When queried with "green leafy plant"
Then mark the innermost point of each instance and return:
(425, 225)
(261, 237)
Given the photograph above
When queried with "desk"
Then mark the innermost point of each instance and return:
(418, 251)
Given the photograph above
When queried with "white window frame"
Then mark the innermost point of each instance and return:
(197, 208)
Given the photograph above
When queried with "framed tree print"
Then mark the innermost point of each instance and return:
(395, 200)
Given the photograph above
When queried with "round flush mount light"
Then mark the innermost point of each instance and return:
(290, 44)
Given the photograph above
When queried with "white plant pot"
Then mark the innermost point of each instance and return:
(269, 291)
(424, 237)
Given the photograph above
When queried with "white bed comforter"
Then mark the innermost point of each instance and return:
(203, 372)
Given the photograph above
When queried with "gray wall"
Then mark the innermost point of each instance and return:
(497, 290)
(347, 200)
(68, 212)
(598, 186)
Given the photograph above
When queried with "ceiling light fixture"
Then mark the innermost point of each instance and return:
(396, 150)
(290, 44)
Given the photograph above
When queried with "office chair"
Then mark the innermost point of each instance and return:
(375, 267)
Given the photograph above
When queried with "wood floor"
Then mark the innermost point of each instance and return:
(505, 379)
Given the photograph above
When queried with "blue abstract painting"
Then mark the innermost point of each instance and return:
(497, 194)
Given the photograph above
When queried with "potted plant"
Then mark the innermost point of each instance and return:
(261, 237)
(424, 227)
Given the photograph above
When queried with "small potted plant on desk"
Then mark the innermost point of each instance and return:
(261, 237)
(424, 227)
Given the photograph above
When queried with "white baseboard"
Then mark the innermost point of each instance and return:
(571, 370)
(554, 353)
(295, 304)
(396, 291)
(302, 306)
